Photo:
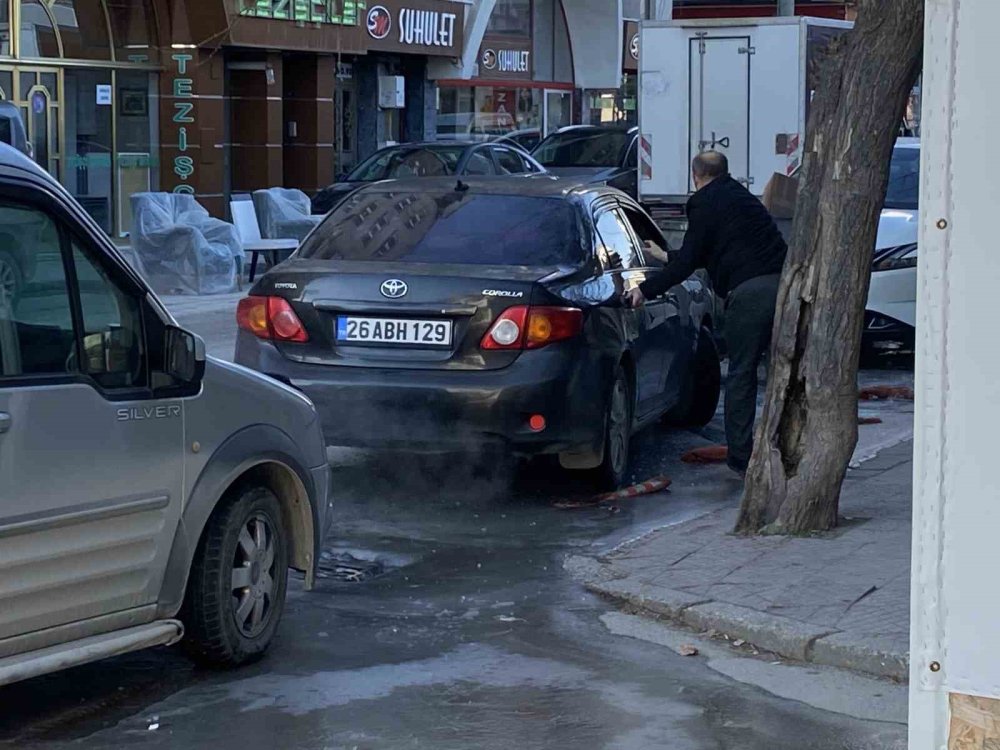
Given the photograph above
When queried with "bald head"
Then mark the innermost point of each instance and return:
(707, 166)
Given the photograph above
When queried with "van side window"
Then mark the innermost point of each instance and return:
(36, 319)
(43, 277)
(112, 327)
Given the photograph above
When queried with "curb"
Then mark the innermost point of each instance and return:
(792, 639)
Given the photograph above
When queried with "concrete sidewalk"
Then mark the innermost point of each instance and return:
(839, 599)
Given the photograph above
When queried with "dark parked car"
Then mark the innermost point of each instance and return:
(525, 139)
(596, 154)
(446, 314)
(428, 160)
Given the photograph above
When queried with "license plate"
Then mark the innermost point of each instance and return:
(357, 330)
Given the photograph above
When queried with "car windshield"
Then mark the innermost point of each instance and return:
(904, 179)
(449, 227)
(583, 148)
(424, 161)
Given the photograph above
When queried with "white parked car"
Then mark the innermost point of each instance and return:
(890, 313)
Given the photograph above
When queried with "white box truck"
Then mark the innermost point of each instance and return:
(739, 86)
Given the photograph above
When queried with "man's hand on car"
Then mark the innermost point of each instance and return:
(634, 297)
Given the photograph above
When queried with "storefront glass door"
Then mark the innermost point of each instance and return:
(37, 92)
(558, 110)
(346, 128)
(89, 138)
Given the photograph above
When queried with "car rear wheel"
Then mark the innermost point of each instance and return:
(617, 434)
(702, 395)
(236, 590)
(11, 279)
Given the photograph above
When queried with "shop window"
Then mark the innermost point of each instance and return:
(5, 27)
(83, 28)
(511, 18)
(38, 34)
(132, 30)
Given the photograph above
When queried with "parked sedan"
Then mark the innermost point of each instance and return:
(445, 314)
(891, 310)
(595, 154)
(428, 160)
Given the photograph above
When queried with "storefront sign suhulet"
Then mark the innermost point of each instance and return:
(500, 58)
(630, 41)
(183, 88)
(432, 27)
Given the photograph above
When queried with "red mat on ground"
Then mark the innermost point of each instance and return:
(886, 393)
(710, 454)
(869, 420)
(656, 484)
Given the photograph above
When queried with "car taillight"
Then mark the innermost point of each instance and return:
(549, 324)
(270, 318)
(523, 327)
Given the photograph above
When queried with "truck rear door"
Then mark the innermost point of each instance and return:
(720, 100)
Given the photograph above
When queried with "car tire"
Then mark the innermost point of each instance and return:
(11, 278)
(230, 616)
(617, 434)
(705, 386)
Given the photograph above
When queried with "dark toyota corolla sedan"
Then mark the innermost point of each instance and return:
(447, 314)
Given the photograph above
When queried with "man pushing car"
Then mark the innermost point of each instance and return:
(732, 236)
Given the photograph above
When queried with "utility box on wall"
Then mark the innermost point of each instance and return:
(391, 92)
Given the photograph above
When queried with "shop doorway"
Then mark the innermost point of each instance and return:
(37, 93)
(558, 109)
(345, 102)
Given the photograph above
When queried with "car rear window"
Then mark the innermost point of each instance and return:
(449, 227)
(583, 148)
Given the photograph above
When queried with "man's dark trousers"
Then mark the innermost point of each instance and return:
(749, 320)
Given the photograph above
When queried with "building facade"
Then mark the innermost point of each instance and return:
(221, 97)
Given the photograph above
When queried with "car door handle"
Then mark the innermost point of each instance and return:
(4, 422)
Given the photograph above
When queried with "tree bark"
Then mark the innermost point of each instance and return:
(808, 429)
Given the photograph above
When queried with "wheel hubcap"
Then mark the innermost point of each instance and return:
(618, 425)
(253, 576)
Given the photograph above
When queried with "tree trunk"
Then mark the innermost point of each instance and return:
(808, 429)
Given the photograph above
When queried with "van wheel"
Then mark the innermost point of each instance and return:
(617, 434)
(11, 279)
(702, 395)
(236, 590)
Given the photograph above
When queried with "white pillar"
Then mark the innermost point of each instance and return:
(786, 7)
(956, 499)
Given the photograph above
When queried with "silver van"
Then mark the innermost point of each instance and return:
(147, 493)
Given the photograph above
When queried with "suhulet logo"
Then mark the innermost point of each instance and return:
(489, 59)
(633, 47)
(379, 22)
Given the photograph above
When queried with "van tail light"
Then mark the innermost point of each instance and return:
(270, 318)
(524, 327)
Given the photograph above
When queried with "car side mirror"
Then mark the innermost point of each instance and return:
(184, 356)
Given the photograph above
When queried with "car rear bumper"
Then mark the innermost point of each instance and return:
(450, 410)
(883, 335)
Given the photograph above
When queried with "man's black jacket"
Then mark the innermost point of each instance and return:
(730, 234)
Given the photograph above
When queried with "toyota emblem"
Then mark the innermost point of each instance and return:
(393, 288)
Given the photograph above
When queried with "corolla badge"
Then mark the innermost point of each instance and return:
(393, 288)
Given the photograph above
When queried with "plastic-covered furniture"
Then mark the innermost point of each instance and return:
(284, 213)
(181, 249)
